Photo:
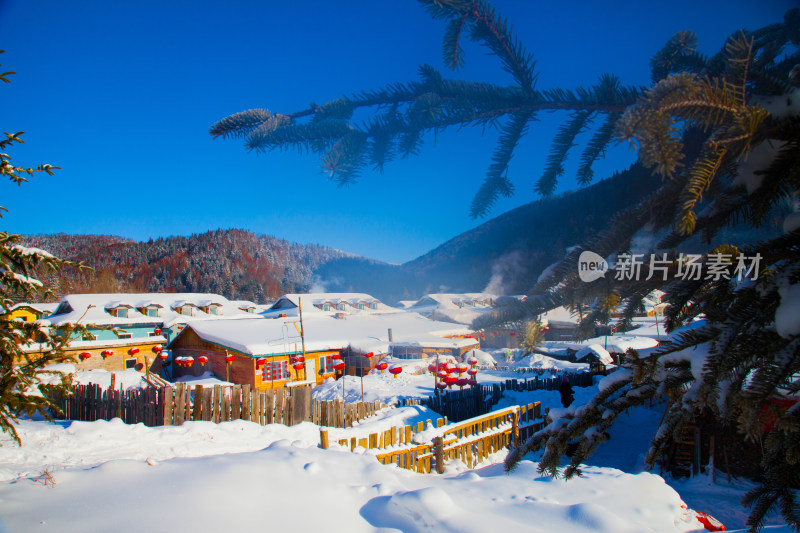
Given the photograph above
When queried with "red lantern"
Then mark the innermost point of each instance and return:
(395, 369)
(462, 367)
(230, 358)
(383, 365)
(461, 382)
(472, 361)
(472, 382)
(189, 361)
(494, 333)
(298, 366)
(163, 355)
(441, 386)
(202, 360)
(85, 355)
(106, 353)
(513, 334)
(450, 367)
(336, 355)
(133, 351)
(157, 348)
(157, 331)
(432, 368)
(368, 355)
(472, 371)
(483, 336)
(298, 359)
(442, 374)
(261, 361)
(339, 365)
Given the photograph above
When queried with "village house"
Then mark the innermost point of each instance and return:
(28, 312)
(459, 308)
(337, 305)
(286, 351)
(127, 331)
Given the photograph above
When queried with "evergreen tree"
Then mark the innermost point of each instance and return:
(721, 132)
(532, 336)
(21, 371)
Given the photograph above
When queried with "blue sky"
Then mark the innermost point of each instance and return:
(121, 95)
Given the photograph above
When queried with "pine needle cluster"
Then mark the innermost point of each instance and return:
(400, 116)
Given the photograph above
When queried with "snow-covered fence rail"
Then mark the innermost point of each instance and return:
(424, 447)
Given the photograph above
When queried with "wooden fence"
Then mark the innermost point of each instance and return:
(159, 406)
(91, 402)
(423, 448)
(458, 405)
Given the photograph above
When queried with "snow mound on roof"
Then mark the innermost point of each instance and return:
(601, 353)
(541, 361)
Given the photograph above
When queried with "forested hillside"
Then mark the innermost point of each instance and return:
(507, 254)
(234, 263)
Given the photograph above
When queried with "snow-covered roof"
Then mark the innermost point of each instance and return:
(92, 308)
(461, 308)
(361, 332)
(44, 308)
(288, 304)
(595, 349)
(559, 315)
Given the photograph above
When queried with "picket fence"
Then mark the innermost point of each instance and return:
(166, 406)
(425, 448)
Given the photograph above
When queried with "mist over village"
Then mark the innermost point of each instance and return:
(435, 265)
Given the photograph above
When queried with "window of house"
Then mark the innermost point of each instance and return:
(123, 335)
(152, 311)
(213, 310)
(186, 310)
(122, 312)
(326, 307)
(325, 365)
(359, 306)
(340, 306)
(373, 305)
(276, 370)
(130, 363)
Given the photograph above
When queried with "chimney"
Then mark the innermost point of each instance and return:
(390, 335)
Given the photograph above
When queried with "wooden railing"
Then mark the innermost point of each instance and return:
(425, 447)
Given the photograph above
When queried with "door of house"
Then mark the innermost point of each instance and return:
(311, 369)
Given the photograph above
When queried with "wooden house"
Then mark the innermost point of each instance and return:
(28, 312)
(128, 330)
(261, 353)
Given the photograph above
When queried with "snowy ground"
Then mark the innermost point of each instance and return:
(79, 476)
